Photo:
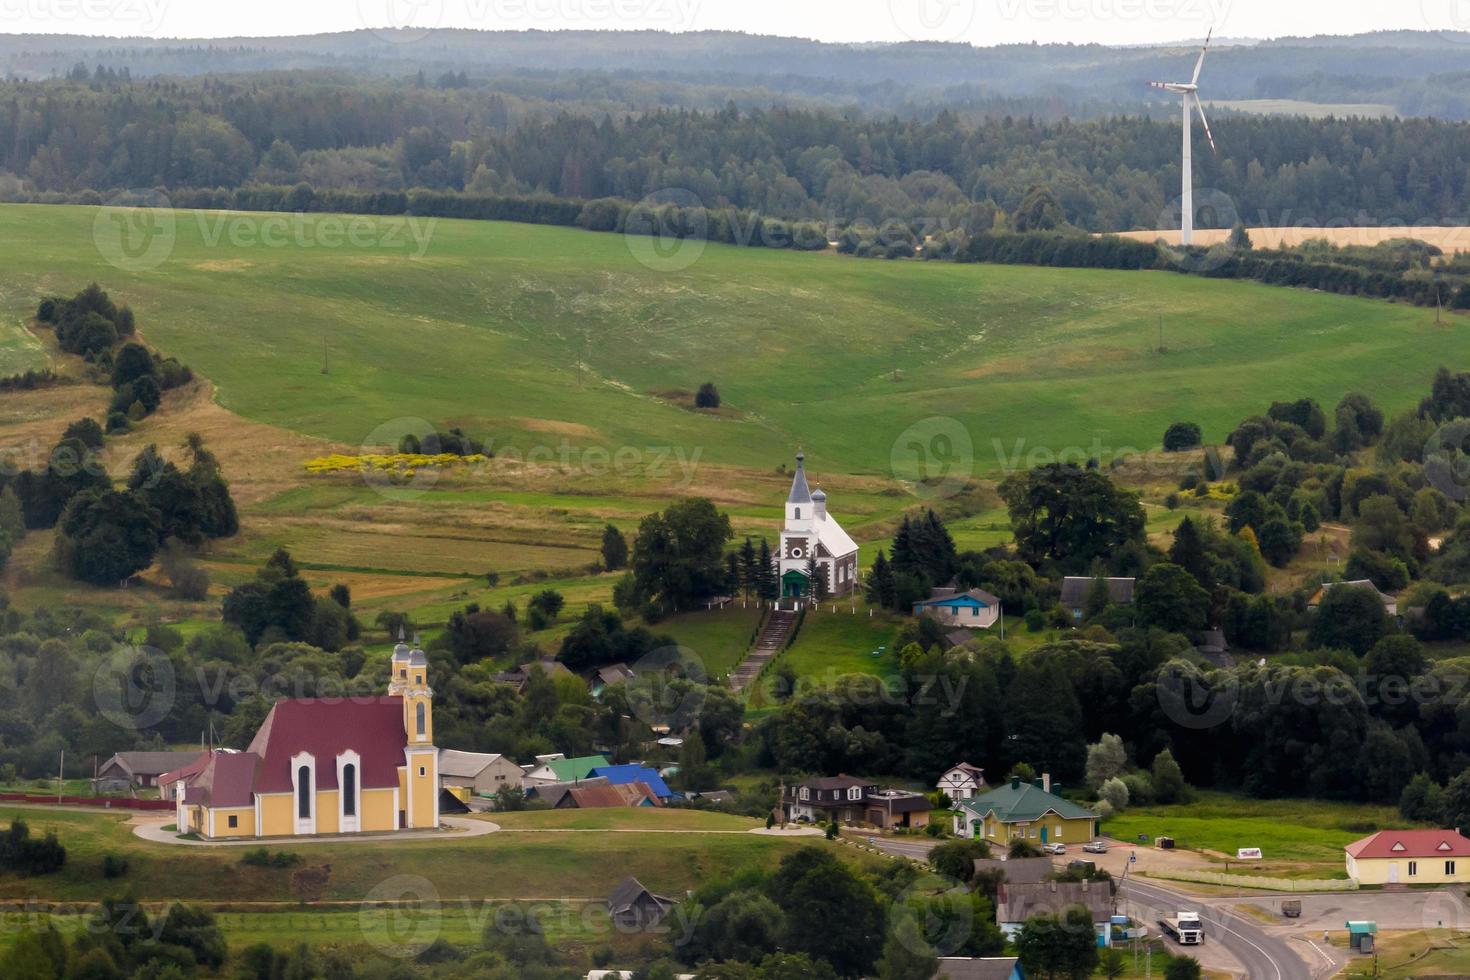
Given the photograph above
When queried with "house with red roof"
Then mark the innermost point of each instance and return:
(1409, 857)
(322, 766)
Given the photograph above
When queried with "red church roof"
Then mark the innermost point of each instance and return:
(371, 727)
(1410, 844)
(225, 780)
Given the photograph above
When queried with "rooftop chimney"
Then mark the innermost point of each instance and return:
(1046, 781)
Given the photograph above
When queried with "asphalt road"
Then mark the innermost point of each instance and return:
(1263, 956)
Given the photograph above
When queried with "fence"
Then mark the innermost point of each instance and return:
(1252, 881)
(119, 802)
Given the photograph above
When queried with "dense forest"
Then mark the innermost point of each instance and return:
(102, 132)
(1413, 73)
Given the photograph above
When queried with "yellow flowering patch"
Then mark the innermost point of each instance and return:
(395, 465)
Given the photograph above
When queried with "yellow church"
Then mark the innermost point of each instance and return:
(322, 766)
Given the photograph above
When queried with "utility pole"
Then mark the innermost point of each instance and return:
(61, 776)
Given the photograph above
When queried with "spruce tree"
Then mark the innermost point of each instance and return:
(749, 567)
(768, 584)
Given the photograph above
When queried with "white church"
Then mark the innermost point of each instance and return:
(811, 534)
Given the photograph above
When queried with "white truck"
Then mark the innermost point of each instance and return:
(1184, 928)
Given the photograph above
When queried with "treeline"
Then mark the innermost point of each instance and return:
(198, 137)
(1398, 269)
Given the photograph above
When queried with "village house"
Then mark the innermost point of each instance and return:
(1020, 810)
(1390, 604)
(812, 537)
(519, 677)
(586, 796)
(132, 771)
(1020, 871)
(980, 968)
(1075, 588)
(649, 778)
(1016, 903)
(633, 908)
(559, 769)
(972, 610)
(477, 773)
(604, 677)
(551, 793)
(847, 799)
(1409, 857)
(315, 766)
(962, 781)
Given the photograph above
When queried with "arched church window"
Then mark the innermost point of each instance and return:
(303, 792)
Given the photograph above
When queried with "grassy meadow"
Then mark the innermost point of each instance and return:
(1298, 838)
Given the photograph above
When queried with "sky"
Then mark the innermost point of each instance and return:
(979, 22)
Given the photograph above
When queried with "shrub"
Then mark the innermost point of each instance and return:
(1181, 436)
(114, 866)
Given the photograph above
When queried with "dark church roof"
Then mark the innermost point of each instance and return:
(800, 494)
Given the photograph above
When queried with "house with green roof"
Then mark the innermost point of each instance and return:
(1020, 810)
(559, 769)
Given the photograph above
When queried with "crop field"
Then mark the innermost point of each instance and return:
(1450, 238)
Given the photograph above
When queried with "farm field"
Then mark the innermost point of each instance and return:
(548, 340)
(1298, 838)
(1450, 238)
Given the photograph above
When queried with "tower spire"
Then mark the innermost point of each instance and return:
(800, 493)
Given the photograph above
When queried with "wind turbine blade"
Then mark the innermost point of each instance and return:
(1202, 52)
(1208, 135)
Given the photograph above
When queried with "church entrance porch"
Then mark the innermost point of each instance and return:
(794, 585)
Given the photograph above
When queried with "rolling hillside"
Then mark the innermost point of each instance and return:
(532, 336)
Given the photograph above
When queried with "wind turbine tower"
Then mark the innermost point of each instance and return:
(1189, 92)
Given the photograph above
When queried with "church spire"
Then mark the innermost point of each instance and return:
(799, 492)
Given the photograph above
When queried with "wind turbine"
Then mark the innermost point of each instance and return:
(1190, 92)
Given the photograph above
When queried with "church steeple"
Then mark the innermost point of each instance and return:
(799, 492)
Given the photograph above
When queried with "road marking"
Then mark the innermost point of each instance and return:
(1269, 958)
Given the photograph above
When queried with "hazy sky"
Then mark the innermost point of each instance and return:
(975, 21)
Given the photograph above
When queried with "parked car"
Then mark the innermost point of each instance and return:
(1054, 848)
(1096, 847)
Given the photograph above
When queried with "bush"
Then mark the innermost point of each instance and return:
(708, 396)
(114, 866)
(1181, 436)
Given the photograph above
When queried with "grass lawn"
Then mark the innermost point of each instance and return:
(720, 637)
(501, 866)
(1405, 955)
(1297, 837)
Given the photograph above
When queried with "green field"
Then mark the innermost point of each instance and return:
(1294, 835)
(540, 860)
(536, 335)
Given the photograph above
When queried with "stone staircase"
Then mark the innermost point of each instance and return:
(773, 639)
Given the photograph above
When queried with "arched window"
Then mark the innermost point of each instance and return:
(349, 790)
(303, 792)
(798, 513)
(422, 719)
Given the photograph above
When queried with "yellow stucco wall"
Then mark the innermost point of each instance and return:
(326, 812)
(425, 788)
(375, 812)
(244, 818)
(1058, 830)
(276, 816)
(1427, 871)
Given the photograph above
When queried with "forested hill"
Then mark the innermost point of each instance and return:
(1416, 73)
(334, 131)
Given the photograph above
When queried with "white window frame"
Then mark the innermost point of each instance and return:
(349, 824)
(303, 825)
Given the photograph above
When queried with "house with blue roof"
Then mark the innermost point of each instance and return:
(621, 775)
(975, 609)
